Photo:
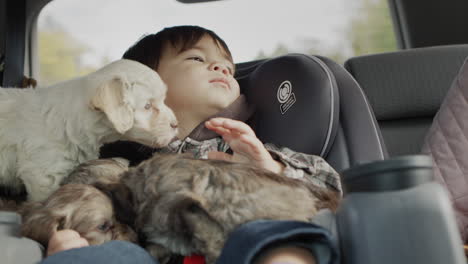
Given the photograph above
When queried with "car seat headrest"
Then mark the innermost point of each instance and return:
(296, 102)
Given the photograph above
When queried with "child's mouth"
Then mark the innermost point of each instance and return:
(221, 81)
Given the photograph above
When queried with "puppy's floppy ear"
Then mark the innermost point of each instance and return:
(122, 201)
(111, 98)
(185, 211)
(39, 223)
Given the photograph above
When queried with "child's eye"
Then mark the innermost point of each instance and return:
(196, 58)
(148, 106)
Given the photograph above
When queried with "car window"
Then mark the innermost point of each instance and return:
(77, 37)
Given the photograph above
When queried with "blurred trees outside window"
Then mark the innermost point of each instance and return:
(372, 31)
(59, 54)
(368, 30)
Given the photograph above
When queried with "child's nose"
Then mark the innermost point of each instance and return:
(220, 67)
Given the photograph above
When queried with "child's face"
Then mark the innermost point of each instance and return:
(199, 79)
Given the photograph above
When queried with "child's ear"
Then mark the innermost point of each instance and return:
(111, 98)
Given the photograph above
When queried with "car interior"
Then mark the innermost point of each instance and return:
(367, 116)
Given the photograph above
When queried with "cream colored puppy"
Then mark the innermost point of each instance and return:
(46, 132)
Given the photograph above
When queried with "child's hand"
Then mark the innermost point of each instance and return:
(247, 148)
(65, 239)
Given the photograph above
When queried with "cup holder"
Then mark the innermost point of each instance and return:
(388, 175)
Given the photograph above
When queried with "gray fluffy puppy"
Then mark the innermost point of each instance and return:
(186, 206)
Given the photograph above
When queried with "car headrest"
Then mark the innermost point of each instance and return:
(296, 102)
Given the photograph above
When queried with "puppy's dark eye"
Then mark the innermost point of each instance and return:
(105, 227)
(148, 106)
(193, 208)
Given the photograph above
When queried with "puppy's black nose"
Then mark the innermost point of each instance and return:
(174, 125)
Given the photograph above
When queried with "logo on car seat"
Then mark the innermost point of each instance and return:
(285, 96)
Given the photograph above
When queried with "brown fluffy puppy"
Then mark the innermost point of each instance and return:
(77, 205)
(189, 206)
(80, 207)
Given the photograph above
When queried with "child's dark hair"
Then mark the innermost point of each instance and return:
(149, 48)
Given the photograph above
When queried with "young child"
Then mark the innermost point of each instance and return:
(198, 69)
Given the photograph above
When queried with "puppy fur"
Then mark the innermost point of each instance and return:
(47, 131)
(102, 171)
(80, 207)
(188, 206)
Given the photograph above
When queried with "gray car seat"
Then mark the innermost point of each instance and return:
(327, 102)
(405, 89)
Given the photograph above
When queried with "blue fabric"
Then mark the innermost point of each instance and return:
(242, 246)
(115, 252)
(248, 240)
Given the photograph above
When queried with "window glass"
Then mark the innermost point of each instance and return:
(76, 37)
